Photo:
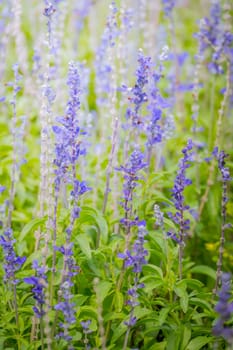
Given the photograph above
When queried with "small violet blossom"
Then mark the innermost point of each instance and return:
(135, 259)
(12, 262)
(135, 164)
(181, 182)
(224, 308)
(39, 282)
(138, 95)
(168, 6)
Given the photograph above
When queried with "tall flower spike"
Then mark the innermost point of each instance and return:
(178, 199)
(225, 177)
(225, 310)
(156, 106)
(39, 282)
(12, 262)
(138, 96)
(103, 62)
(135, 164)
(136, 260)
(214, 34)
(86, 330)
(68, 151)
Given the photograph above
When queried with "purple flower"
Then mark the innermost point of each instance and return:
(139, 95)
(12, 262)
(178, 195)
(103, 66)
(214, 35)
(136, 260)
(68, 146)
(86, 326)
(225, 310)
(2, 188)
(49, 9)
(158, 214)
(39, 282)
(135, 164)
(168, 6)
(221, 165)
(156, 104)
(67, 307)
(68, 149)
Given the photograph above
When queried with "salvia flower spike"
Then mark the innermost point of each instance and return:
(180, 183)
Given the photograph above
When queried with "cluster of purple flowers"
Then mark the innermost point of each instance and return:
(156, 106)
(12, 262)
(138, 93)
(135, 164)
(225, 177)
(103, 64)
(225, 310)
(68, 145)
(181, 182)
(68, 149)
(221, 165)
(67, 307)
(144, 96)
(136, 260)
(39, 282)
(168, 6)
(81, 11)
(86, 330)
(65, 304)
(213, 34)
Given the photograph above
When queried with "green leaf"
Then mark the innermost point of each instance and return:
(77, 336)
(140, 312)
(86, 312)
(119, 331)
(153, 270)
(185, 337)
(173, 341)
(114, 316)
(193, 284)
(159, 346)
(180, 290)
(201, 303)
(198, 343)
(31, 226)
(94, 217)
(118, 301)
(163, 315)
(184, 303)
(34, 256)
(84, 244)
(102, 289)
(205, 270)
(79, 299)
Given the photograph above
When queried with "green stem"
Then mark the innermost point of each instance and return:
(42, 333)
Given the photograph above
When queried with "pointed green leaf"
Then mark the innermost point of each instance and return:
(198, 343)
(31, 226)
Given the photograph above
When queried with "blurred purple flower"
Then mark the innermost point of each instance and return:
(138, 95)
(168, 6)
(39, 282)
(178, 195)
(225, 310)
(12, 262)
